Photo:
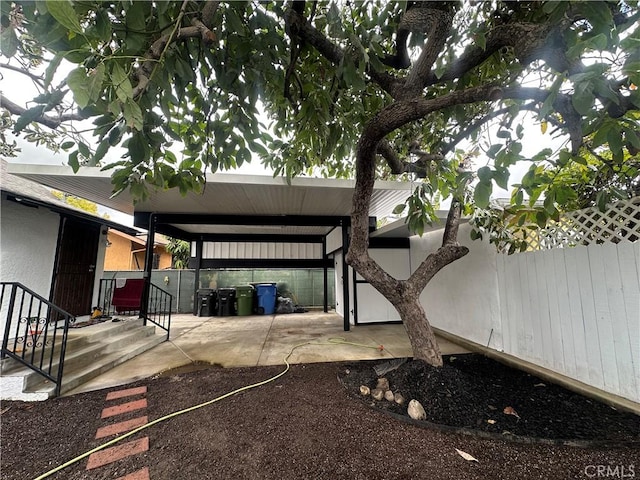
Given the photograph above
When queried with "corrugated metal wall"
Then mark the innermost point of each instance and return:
(262, 250)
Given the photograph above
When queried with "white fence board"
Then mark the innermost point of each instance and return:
(577, 323)
(620, 331)
(551, 279)
(629, 262)
(575, 311)
(563, 316)
(602, 312)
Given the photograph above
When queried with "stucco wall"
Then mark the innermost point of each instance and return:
(463, 298)
(29, 238)
(118, 254)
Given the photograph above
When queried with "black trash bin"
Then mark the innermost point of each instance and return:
(226, 302)
(206, 305)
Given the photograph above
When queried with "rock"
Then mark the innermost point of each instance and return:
(388, 395)
(398, 398)
(383, 384)
(377, 394)
(416, 411)
(364, 390)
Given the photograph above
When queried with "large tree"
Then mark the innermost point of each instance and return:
(434, 90)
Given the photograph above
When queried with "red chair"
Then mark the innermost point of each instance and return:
(128, 298)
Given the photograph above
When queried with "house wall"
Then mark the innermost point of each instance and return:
(118, 254)
(463, 298)
(372, 306)
(29, 238)
(165, 257)
(119, 257)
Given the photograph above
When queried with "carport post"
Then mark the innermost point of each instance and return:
(148, 266)
(345, 274)
(325, 277)
(196, 281)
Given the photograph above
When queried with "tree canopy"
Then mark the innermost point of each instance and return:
(440, 91)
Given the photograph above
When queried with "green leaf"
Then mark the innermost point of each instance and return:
(482, 194)
(101, 151)
(115, 135)
(518, 197)
(77, 82)
(234, 22)
(121, 83)
(614, 138)
(83, 148)
(52, 68)
(632, 137)
(9, 42)
(485, 174)
(132, 114)
(602, 200)
(27, 117)
(481, 40)
(63, 12)
(73, 161)
(67, 145)
(501, 177)
(583, 102)
(549, 203)
(103, 25)
(493, 150)
(94, 83)
(398, 209)
(138, 148)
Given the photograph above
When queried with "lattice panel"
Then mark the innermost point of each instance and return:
(591, 226)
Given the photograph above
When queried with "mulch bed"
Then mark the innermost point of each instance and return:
(303, 425)
(473, 393)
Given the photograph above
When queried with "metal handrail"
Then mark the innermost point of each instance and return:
(35, 331)
(158, 310)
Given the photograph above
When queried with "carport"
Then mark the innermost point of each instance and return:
(247, 221)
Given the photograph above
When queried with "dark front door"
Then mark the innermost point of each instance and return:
(75, 266)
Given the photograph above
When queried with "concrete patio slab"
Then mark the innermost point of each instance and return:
(261, 340)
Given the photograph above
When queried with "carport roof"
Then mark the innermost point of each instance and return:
(298, 208)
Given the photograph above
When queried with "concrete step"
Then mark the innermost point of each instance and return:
(83, 344)
(77, 339)
(96, 352)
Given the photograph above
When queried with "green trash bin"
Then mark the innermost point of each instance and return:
(244, 298)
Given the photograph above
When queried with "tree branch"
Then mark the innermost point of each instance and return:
(465, 132)
(399, 166)
(36, 78)
(441, 20)
(46, 120)
(299, 26)
(198, 29)
(450, 235)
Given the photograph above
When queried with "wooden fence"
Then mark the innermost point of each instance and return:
(571, 304)
(576, 311)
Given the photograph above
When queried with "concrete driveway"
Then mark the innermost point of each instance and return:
(260, 340)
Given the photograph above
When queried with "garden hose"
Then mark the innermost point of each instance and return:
(330, 341)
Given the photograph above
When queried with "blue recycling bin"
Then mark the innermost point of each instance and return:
(266, 293)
